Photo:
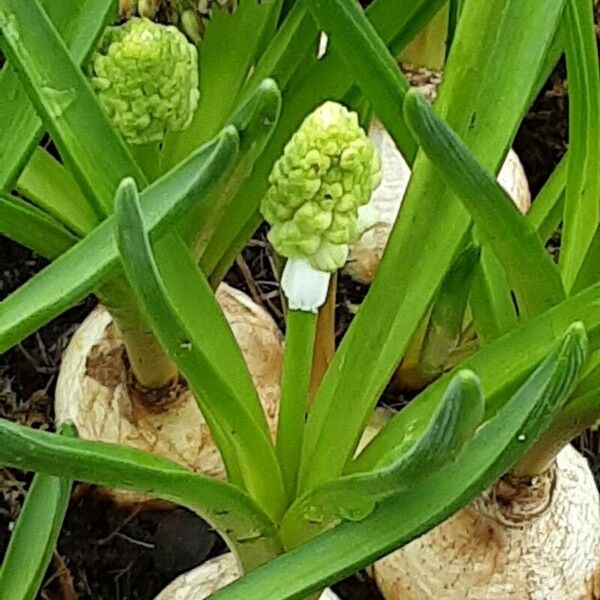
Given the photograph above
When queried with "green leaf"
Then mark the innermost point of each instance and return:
(33, 228)
(581, 412)
(500, 367)
(445, 323)
(35, 534)
(491, 302)
(225, 56)
(287, 50)
(82, 31)
(256, 119)
(51, 187)
(581, 205)
(373, 67)
(546, 210)
(529, 268)
(430, 48)
(454, 9)
(353, 497)
(95, 258)
(590, 269)
(245, 527)
(493, 450)
(91, 149)
(458, 415)
(186, 318)
(80, 24)
(502, 55)
(415, 15)
(553, 55)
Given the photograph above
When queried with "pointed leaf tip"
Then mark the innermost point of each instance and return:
(469, 382)
(574, 345)
(126, 191)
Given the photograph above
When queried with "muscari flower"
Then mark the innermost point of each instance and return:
(146, 77)
(317, 200)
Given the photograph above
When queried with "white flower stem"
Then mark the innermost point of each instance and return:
(304, 286)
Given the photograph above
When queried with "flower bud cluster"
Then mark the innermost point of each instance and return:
(146, 77)
(326, 174)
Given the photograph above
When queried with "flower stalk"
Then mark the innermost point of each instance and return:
(315, 206)
(295, 383)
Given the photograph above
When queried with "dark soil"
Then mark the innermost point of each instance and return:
(109, 553)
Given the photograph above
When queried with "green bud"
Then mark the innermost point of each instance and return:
(148, 8)
(327, 172)
(191, 24)
(127, 8)
(146, 77)
(205, 6)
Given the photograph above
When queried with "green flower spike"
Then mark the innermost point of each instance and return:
(316, 204)
(146, 76)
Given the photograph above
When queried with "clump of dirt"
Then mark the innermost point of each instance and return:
(114, 553)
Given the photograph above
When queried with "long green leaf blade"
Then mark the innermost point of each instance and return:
(35, 534)
(21, 127)
(91, 148)
(226, 55)
(447, 314)
(286, 51)
(590, 269)
(545, 213)
(529, 268)
(375, 69)
(186, 318)
(513, 47)
(246, 528)
(51, 187)
(497, 358)
(491, 302)
(581, 205)
(256, 119)
(493, 451)
(353, 497)
(33, 228)
(95, 258)
(458, 415)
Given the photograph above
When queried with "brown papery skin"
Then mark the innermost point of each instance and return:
(95, 390)
(523, 539)
(365, 255)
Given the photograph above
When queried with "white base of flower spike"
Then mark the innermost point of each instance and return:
(536, 541)
(92, 390)
(304, 286)
(205, 580)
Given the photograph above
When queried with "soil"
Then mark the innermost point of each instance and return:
(109, 553)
